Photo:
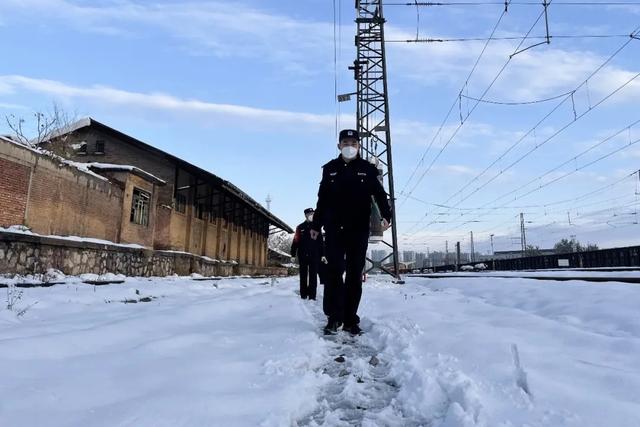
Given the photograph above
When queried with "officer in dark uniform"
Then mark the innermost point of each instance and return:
(309, 252)
(344, 210)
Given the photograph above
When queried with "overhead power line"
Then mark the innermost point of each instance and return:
(475, 39)
(558, 132)
(530, 131)
(446, 233)
(455, 101)
(572, 200)
(537, 101)
(462, 122)
(515, 3)
(555, 203)
(574, 158)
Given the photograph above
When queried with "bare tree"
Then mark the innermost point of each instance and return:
(42, 127)
(532, 250)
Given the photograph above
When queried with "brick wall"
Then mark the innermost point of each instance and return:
(56, 199)
(67, 202)
(14, 185)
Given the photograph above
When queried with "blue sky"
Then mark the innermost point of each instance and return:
(246, 90)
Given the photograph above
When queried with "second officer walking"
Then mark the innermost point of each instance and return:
(309, 253)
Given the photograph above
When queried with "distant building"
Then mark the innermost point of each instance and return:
(421, 260)
(378, 255)
(408, 256)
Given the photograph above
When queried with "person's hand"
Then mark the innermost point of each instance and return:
(314, 234)
(324, 260)
(385, 225)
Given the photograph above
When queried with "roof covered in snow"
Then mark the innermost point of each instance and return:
(105, 167)
(39, 151)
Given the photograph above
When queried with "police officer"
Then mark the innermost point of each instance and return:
(309, 252)
(344, 210)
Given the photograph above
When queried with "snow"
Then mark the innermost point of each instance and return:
(206, 258)
(128, 168)
(244, 352)
(21, 229)
(79, 145)
(280, 252)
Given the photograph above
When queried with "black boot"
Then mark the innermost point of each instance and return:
(353, 329)
(332, 327)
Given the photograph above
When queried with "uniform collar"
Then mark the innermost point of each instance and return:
(341, 160)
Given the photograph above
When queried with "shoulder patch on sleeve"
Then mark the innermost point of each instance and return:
(372, 169)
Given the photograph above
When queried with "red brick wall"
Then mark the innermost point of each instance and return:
(14, 185)
(64, 202)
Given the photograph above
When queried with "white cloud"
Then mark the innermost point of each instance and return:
(9, 106)
(455, 170)
(250, 116)
(224, 29)
(534, 74)
(420, 133)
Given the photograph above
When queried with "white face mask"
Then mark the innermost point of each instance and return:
(310, 217)
(349, 152)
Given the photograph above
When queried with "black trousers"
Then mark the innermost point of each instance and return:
(308, 276)
(346, 252)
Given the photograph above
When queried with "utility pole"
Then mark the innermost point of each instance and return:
(492, 251)
(457, 256)
(446, 252)
(523, 235)
(372, 112)
(473, 251)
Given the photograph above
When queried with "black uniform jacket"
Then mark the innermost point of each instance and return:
(303, 245)
(344, 198)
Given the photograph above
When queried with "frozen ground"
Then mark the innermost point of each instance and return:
(247, 352)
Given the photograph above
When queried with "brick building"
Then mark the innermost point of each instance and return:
(105, 184)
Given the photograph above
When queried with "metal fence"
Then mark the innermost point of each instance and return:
(602, 258)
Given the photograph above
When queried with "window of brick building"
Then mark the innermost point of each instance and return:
(99, 147)
(140, 207)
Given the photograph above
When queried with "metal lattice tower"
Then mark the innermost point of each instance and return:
(370, 72)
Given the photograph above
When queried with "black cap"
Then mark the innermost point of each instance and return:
(348, 134)
(308, 211)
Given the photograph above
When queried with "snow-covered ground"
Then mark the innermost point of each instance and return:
(247, 352)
